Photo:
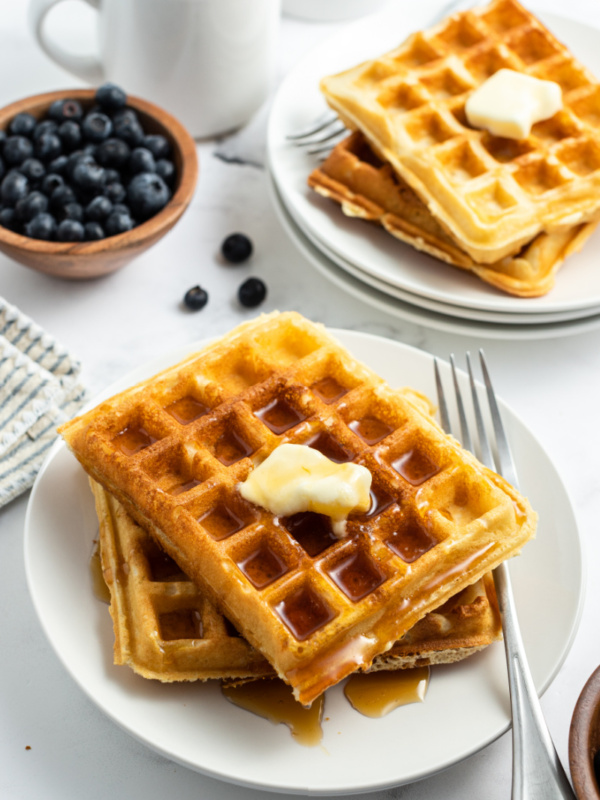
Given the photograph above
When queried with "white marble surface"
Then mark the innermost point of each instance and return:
(122, 321)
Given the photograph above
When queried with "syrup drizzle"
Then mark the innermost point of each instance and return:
(373, 694)
(272, 699)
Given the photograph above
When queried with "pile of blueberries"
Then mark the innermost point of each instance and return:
(80, 175)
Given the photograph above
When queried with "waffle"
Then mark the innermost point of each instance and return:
(174, 448)
(369, 189)
(492, 195)
(167, 629)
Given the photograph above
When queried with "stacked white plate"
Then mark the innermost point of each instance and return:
(366, 261)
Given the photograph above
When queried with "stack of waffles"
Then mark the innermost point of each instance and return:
(508, 210)
(173, 450)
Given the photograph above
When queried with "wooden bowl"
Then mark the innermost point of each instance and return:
(584, 739)
(82, 260)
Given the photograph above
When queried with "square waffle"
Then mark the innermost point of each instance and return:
(167, 629)
(174, 448)
(492, 195)
(369, 189)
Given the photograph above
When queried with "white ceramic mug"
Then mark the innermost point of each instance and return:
(207, 62)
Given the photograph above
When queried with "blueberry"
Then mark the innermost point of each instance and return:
(125, 114)
(31, 205)
(33, 169)
(122, 208)
(118, 222)
(60, 197)
(73, 211)
(158, 145)
(23, 124)
(45, 126)
(141, 160)
(93, 231)
(69, 133)
(8, 219)
(110, 97)
(70, 230)
(88, 176)
(196, 298)
(113, 153)
(13, 187)
(48, 146)
(51, 182)
(166, 170)
(58, 165)
(129, 130)
(2, 169)
(252, 292)
(96, 127)
(115, 192)
(60, 110)
(42, 226)
(112, 175)
(17, 149)
(236, 248)
(147, 194)
(98, 209)
(90, 149)
(2, 137)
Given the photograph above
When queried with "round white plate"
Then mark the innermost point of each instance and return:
(356, 286)
(298, 102)
(466, 706)
(448, 309)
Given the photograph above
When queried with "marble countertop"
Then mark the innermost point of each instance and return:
(54, 742)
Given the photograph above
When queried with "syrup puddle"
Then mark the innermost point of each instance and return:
(273, 700)
(373, 694)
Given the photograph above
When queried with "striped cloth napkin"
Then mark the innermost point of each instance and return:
(39, 389)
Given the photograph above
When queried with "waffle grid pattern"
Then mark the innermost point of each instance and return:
(438, 521)
(492, 194)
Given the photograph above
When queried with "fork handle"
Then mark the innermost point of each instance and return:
(537, 771)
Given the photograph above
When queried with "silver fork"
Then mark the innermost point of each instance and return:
(537, 771)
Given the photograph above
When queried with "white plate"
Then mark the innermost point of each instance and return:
(356, 286)
(299, 101)
(467, 704)
(447, 309)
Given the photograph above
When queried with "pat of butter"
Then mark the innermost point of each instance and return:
(297, 478)
(509, 103)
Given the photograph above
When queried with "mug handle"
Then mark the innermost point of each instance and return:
(86, 67)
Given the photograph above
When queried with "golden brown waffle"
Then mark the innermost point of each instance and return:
(369, 189)
(492, 195)
(174, 448)
(167, 629)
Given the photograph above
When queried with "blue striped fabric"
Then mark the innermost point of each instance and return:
(39, 389)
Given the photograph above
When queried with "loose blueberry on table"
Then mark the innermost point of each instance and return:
(82, 175)
(196, 298)
(236, 248)
(252, 292)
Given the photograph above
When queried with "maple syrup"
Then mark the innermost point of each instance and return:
(357, 576)
(279, 416)
(313, 532)
(230, 448)
(221, 522)
(304, 612)
(415, 467)
(375, 694)
(330, 448)
(262, 566)
(131, 440)
(100, 588)
(370, 429)
(329, 390)
(186, 410)
(272, 699)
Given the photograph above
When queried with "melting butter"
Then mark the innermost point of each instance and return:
(509, 103)
(296, 478)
